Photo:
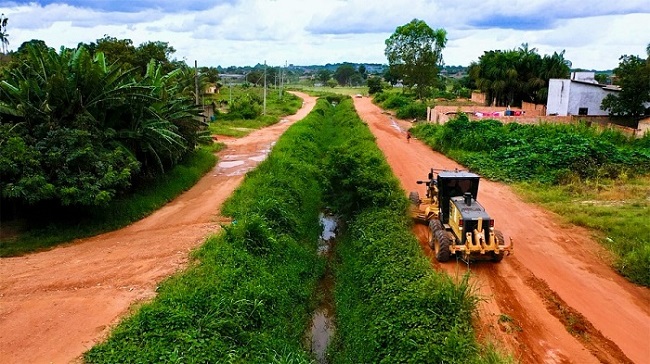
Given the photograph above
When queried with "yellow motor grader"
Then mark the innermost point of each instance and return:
(459, 225)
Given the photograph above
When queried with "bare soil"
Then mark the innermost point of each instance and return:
(57, 304)
(556, 300)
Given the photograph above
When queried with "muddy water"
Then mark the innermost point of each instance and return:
(322, 326)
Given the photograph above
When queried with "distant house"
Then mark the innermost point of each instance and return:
(579, 95)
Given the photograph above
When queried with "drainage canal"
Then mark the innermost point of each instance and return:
(322, 326)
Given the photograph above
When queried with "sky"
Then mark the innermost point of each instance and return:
(592, 33)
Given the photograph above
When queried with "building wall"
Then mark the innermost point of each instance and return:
(558, 97)
(586, 96)
(478, 97)
(566, 98)
(533, 109)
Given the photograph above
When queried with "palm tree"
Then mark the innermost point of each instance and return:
(94, 125)
(3, 33)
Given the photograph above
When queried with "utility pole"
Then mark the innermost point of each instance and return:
(264, 109)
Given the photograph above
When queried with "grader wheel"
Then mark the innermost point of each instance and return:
(439, 241)
(414, 196)
(498, 236)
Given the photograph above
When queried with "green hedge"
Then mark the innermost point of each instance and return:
(249, 295)
(391, 305)
(548, 153)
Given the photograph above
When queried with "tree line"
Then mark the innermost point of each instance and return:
(78, 128)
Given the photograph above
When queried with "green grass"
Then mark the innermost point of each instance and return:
(276, 108)
(249, 294)
(618, 214)
(594, 179)
(49, 230)
(338, 90)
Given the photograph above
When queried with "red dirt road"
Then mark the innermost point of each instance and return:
(557, 280)
(55, 305)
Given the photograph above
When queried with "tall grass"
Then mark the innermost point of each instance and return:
(249, 294)
(618, 214)
(391, 306)
(44, 230)
(588, 176)
(276, 108)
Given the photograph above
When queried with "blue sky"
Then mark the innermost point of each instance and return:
(593, 34)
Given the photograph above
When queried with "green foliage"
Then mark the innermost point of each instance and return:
(414, 52)
(633, 75)
(406, 106)
(391, 306)
(94, 126)
(562, 167)
(517, 75)
(248, 102)
(394, 101)
(248, 296)
(547, 153)
(374, 85)
(247, 106)
(49, 226)
(414, 110)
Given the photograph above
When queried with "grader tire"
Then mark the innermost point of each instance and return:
(498, 236)
(414, 197)
(439, 235)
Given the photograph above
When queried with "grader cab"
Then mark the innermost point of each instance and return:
(459, 225)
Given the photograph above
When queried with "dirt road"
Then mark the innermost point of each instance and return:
(57, 304)
(557, 281)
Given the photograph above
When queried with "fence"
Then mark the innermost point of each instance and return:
(442, 114)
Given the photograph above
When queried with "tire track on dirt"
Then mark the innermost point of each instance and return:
(556, 282)
(56, 304)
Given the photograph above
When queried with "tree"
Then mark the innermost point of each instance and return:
(633, 76)
(211, 74)
(77, 130)
(362, 71)
(323, 75)
(121, 51)
(374, 85)
(4, 37)
(512, 76)
(415, 51)
(392, 75)
(343, 74)
(157, 51)
(601, 78)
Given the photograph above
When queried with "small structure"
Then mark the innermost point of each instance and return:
(579, 95)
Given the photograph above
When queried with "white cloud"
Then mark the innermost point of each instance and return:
(247, 32)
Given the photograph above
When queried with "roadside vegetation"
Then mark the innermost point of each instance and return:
(240, 109)
(596, 179)
(249, 294)
(88, 146)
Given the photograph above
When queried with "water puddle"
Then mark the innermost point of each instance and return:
(230, 164)
(322, 326)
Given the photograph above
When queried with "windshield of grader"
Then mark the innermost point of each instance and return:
(452, 184)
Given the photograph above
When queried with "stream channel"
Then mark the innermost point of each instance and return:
(322, 327)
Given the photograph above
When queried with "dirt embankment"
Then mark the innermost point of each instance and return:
(55, 305)
(556, 300)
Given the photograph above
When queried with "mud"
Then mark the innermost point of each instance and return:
(556, 300)
(57, 304)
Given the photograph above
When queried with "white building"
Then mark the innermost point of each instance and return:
(580, 95)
